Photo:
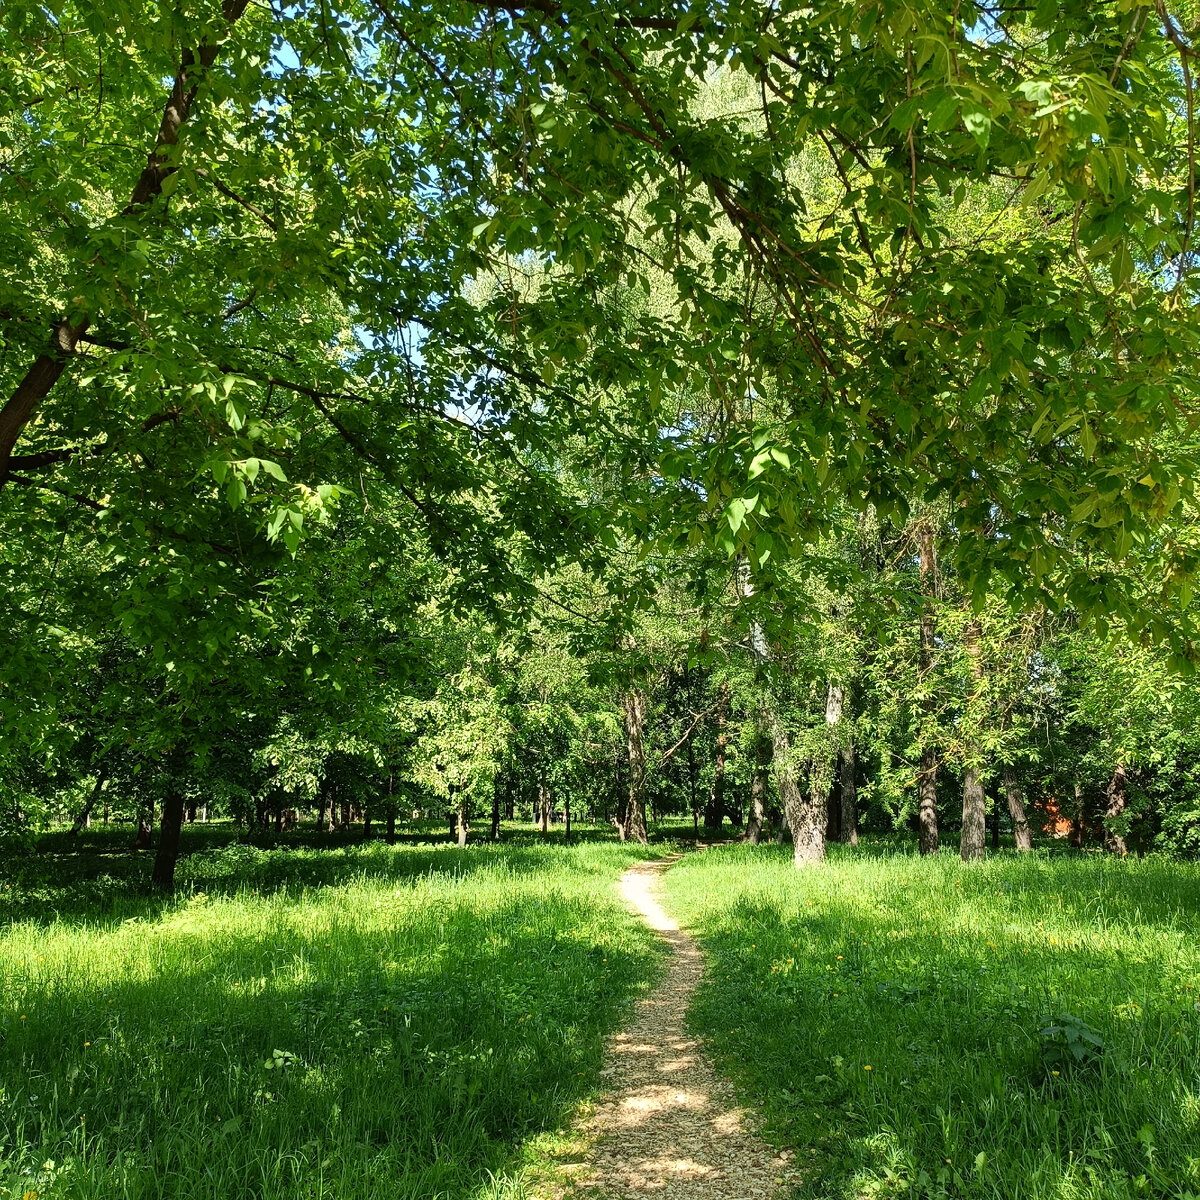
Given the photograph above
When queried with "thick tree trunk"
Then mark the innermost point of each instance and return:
(803, 815)
(83, 820)
(1016, 810)
(635, 720)
(758, 790)
(974, 830)
(927, 779)
(1116, 796)
(715, 808)
(974, 822)
(849, 790)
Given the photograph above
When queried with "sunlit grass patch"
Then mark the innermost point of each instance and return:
(1026, 1027)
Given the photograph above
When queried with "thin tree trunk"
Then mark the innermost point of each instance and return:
(758, 789)
(974, 822)
(635, 720)
(144, 837)
(1077, 819)
(1016, 810)
(1116, 796)
(691, 762)
(390, 836)
(84, 817)
(567, 816)
(824, 773)
(495, 830)
(543, 803)
(849, 796)
(460, 817)
(927, 779)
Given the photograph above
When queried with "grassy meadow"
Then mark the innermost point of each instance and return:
(1021, 1029)
(368, 1021)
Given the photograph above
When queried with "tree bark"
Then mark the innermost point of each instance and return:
(390, 836)
(974, 822)
(45, 370)
(974, 831)
(84, 817)
(494, 833)
(543, 803)
(758, 790)
(927, 779)
(1116, 796)
(803, 815)
(567, 816)
(823, 776)
(1016, 810)
(461, 814)
(635, 720)
(170, 826)
(849, 832)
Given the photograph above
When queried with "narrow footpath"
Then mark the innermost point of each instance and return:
(668, 1126)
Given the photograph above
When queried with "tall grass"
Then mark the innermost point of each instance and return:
(370, 1022)
(886, 1015)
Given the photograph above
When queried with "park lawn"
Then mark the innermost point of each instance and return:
(370, 1021)
(882, 1013)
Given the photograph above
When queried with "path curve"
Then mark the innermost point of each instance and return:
(668, 1126)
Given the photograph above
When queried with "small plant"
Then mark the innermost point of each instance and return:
(280, 1060)
(1067, 1041)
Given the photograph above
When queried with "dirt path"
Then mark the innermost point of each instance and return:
(668, 1126)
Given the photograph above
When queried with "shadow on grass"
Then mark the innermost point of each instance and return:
(410, 1049)
(887, 1021)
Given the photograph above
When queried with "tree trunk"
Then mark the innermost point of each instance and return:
(974, 831)
(567, 816)
(635, 720)
(391, 829)
(758, 790)
(509, 799)
(996, 822)
(849, 833)
(803, 815)
(543, 803)
(461, 814)
(1016, 810)
(170, 825)
(143, 838)
(367, 822)
(927, 779)
(825, 771)
(974, 822)
(495, 830)
(85, 815)
(1077, 819)
(715, 808)
(1116, 795)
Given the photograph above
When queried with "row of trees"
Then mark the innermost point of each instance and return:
(454, 396)
(887, 702)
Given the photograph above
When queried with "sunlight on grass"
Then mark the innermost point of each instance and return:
(889, 1015)
(396, 1033)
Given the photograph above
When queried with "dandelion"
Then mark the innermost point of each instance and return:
(86, 1045)
(839, 958)
(22, 1016)
(1053, 1072)
(868, 1067)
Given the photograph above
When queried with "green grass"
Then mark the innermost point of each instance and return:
(369, 1021)
(884, 1013)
